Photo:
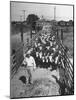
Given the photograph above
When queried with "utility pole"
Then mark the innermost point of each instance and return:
(21, 18)
(42, 17)
(62, 35)
(55, 13)
(24, 14)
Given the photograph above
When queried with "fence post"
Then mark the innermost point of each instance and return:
(21, 31)
(57, 33)
(62, 35)
(13, 63)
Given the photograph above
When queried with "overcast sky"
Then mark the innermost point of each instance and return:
(63, 12)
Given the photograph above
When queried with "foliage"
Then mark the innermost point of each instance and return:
(31, 20)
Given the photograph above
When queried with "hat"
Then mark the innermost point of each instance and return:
(29, 52)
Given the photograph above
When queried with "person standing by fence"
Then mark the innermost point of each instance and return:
(31, 65)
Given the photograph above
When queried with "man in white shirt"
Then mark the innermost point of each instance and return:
(30, 62)
(31, 65)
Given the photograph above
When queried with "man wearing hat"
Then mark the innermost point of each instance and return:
(31, 65)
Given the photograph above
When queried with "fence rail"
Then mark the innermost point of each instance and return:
(67, 65)
(16, 60)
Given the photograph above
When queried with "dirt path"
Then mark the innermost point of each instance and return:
(41, 73)
(43, 84)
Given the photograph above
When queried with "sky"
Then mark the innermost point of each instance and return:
(62, 12)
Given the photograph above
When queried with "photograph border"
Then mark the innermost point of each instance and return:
(73, 44)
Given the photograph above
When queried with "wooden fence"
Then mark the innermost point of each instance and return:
(16, 60)
(67, 66)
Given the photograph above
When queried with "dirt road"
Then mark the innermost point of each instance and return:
(43, 84)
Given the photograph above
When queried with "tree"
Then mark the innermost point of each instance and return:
(70, 23)
(31, 20)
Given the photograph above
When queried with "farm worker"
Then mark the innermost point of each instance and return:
(31, 65)
(30, 60)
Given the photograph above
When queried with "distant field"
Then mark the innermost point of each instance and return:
(68, 41)
(15, 29)
(16, 40)
(68, 38)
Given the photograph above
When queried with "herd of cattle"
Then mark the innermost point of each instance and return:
(46, 51)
